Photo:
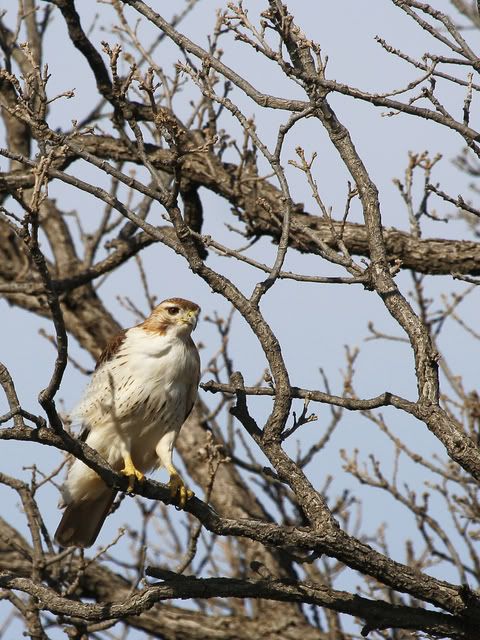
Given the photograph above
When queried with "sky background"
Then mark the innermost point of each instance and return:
(312, 322)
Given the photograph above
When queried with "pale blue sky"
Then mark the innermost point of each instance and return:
(313, 322)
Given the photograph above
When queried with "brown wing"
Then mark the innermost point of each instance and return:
(195, 379)
(111, 348)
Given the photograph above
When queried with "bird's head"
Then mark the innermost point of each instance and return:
(175, 314)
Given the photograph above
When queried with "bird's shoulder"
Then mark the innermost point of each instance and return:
(193, 350)
(111, 348)
(137, 342)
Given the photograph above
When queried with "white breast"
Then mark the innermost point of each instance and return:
(140, 393)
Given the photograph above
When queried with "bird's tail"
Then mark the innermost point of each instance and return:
(82, 520)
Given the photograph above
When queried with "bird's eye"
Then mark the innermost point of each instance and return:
(173, 311)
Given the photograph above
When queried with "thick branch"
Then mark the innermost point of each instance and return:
(331, 541)
(378, 615)
(430, 256)
(162, 620)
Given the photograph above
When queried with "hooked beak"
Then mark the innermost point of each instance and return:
(190, 317)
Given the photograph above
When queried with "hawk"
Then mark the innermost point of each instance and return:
(143, 388)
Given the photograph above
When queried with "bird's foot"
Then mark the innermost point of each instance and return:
(178, 489)
(131, 472)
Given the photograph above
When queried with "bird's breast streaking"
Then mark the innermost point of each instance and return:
(143, 389)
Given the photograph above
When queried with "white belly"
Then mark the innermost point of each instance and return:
(132, 402)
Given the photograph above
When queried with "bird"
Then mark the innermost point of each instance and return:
(142, 390)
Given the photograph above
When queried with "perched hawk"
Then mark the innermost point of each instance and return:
(143, 389)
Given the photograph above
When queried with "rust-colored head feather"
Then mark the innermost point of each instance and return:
(173, 312)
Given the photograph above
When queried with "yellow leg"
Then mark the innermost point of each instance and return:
(178, 489)
(131, 472)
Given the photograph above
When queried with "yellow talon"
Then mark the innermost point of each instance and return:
(178, 489)
(131, 472)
